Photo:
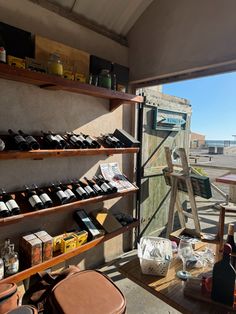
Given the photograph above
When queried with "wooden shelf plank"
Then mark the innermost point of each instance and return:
(69, 206)
(54, 82)
(65, 256)
(47, 153)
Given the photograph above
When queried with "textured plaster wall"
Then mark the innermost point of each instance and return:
(33, 109)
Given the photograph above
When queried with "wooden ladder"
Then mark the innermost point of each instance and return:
(174, 196)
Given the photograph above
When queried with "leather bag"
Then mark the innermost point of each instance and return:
(8, 297)
(24, 309)
(87, 291)
(76, 292)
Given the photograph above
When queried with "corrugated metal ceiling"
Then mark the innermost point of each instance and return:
(118, 16)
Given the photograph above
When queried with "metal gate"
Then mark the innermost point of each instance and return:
(163, 120)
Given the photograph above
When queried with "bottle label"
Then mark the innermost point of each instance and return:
(69, 193)
(12, 204)
(80, 191)
(59, 138)
(61, 195)
(105, 187)
(51, 137)
(3, 207)
(88, 189)
(1, 269)
(11, 267)
(96, 187)
(34, 200)
(74, 139)
(29, 139)
(45, 198)
(2, 55)
(19, 139)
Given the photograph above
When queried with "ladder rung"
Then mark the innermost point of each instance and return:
(189, 215)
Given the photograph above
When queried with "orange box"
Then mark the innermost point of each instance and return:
(31, 249)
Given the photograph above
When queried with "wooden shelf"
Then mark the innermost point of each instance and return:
(47, 153)
(65, 256)
(54, 82)
(69, 206)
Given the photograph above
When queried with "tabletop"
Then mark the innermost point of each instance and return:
(170, 288)
(227, 179)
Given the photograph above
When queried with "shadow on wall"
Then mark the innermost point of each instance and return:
(33, 109)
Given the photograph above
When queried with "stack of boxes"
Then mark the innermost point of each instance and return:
(36, 248)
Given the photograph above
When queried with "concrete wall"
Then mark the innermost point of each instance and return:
(33, 109)
(174, 37)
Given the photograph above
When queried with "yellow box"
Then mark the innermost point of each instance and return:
(80, 77)
(81, 237)
(68, 243)
(69, 75)
(57, 242)
(17, 62)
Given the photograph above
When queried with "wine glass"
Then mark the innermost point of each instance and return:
(185, 252)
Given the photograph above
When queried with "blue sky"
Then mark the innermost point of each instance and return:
(213, 101)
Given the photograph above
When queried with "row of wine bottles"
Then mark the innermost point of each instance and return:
(24, 142)
(39, 198)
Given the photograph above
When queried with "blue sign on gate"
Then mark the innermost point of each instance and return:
(169, 120)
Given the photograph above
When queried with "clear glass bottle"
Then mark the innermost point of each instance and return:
(5, 248)
(1, 268)
(11, 261)
(55, 65)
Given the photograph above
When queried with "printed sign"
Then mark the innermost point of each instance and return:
(168, 120)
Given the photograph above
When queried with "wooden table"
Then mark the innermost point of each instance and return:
(230, 179)
(170, 288)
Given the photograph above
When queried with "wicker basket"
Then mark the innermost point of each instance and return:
(155, 264)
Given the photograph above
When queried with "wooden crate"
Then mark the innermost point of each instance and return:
(70, 57)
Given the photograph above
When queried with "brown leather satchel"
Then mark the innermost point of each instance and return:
(87, 291)
(76, 292)
(8, 297)
(24, 309)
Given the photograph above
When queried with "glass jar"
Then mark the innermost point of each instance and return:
(11, 261)
(55, 65)
(105, 78)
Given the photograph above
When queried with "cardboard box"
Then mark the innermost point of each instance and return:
(107, 221)
(31, 249)
(47, 245)
(176, 236)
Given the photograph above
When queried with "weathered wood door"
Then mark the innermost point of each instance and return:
(153, 200)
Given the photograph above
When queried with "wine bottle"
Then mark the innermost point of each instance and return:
(92, 142)
(60, 139)
(223, 279)
(83, 140)
(31, 141)
(19, 141)
(111, 141)
(11, 204)
(4, 212)
(109, 183)
(51, 141)
(103, 185)
(68, 192)
(87, 188)
(75, 140)
(63, 198)
(44, 197)
(77, 188)
(33, 198)
(230, 240)
(2, 145)
(94, 186)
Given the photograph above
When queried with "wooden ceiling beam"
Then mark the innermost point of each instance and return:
(81, 20)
